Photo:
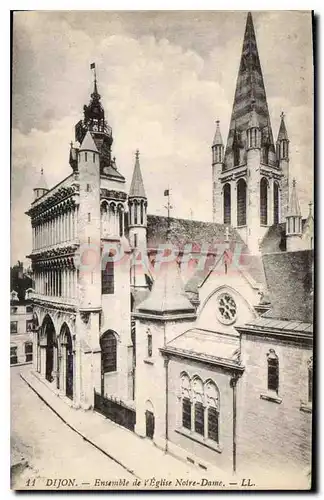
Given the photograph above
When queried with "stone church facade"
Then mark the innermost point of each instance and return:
(208, 347)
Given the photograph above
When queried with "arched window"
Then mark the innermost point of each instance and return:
(108, 344)
(120, 220)
(212, 404)
(241, 202)
(275, 203)
(273, 371)
(227, 204)
(186, 401)
(135, 211)
(199, 410)
(264, 201)
(142, 212)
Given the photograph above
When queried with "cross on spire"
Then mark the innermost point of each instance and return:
(282, 115)
(137, 154)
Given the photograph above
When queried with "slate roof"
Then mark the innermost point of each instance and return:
(282, 134)
(207, 346)
(279, 328)
(289, 277)
(274, 239)
(137, 186)
(218, 141)
(186, 231)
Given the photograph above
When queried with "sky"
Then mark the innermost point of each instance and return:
(165, 77)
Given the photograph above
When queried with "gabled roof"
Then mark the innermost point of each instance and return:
(88, 144)
(137, 186)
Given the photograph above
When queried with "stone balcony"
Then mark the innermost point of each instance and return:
(53, 301)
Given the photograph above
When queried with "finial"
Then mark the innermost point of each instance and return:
(226, 234)
(282, 115)
(114, 159)
(217, 123)
(42, 171)
(71, 144)
(137, 154)
(310, 204)
(294, 182)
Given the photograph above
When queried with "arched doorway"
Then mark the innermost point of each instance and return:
(49, 334)
(67, 355)
(149, 420)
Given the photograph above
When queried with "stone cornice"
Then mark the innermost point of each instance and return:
(112, 194)
(61, 251)
(227, 364)
(49, 304)
(53, 204)
(266, 333)
(167, 316)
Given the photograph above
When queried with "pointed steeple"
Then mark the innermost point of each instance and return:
(137, 186)
(294, 208)
(42, 183)
(282, 134)
(249, 89)
(41, 187)
(218, 141)
(88, 144)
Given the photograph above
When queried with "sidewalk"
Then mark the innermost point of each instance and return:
(137, 455)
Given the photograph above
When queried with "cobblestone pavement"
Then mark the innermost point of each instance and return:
(49, 449)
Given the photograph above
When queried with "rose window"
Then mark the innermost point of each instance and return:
(226, 308)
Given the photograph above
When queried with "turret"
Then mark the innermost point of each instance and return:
(282, 152)
(218, 146)
(137, 222)
(217, 165)
(41, 187)
(293, 222)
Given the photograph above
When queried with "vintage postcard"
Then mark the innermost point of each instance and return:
(162, 250)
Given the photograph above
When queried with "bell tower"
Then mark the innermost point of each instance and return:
(247, 176)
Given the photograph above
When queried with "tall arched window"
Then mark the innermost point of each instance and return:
(264, 201)
(108, 344)
(142, 212)
(273, 371)
(186, 401)
(212, 404)
(275, 203)
(227, 204)
(120, 220)
(241, 202)
(135, 211)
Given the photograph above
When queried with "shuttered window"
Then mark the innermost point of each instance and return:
(186, 413)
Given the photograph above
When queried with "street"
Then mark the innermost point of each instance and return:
(51, 449)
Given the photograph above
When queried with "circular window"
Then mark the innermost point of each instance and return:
(226, 308)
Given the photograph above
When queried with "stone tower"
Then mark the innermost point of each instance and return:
(246, 181)
(137, 222)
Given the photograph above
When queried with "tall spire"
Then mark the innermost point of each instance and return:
(249, 89)
(137, 186)
(294, 208)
